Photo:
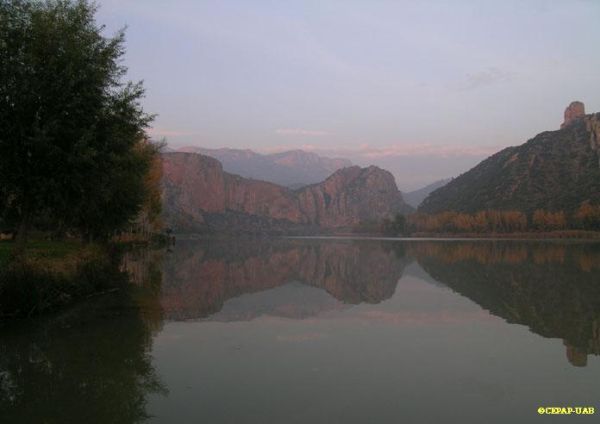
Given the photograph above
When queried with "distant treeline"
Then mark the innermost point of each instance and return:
(586, 217)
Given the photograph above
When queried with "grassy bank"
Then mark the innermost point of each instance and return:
(47, 275)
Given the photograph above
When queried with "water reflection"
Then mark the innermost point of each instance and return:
(97, 362)
(551, 288)
(90, 364)
(201, 277)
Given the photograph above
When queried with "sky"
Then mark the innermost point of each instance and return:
(425, 89)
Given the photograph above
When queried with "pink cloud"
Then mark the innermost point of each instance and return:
(398, 150)
(301, 131)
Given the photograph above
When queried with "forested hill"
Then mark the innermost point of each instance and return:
(554, 171)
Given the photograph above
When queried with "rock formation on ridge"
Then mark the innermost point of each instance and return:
(573, 112)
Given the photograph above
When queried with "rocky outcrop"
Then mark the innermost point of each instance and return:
(351, 196)
(199, 195)
(573, 112)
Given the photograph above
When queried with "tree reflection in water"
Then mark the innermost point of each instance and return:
(552, 288)
(90, 364)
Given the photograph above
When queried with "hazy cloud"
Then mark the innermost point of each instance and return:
(486, 77)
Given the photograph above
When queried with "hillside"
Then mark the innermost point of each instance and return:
(555, 170)
(293, 168)
(199, 196)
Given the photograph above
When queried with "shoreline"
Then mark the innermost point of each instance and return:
(574, 235)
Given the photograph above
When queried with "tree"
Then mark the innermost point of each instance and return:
(399, 224)
(72, 150)
(588, 216)
(548, 221)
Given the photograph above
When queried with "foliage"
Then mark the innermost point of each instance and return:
(148, 225)
(5, 250)
(395, 227)
(72, 150)
(489, 221)
(587, 217)
(548, 221)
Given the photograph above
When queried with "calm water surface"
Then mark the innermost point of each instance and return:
(320, 331)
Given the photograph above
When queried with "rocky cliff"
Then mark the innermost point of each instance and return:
(199, 195)
(351, 196)
(555, 170)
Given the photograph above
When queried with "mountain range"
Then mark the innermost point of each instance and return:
(292, 168)
(555, 171)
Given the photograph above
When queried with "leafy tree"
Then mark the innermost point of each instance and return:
(72, 150)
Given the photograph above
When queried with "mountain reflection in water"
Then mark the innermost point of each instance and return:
(553, 288)
(200, 278)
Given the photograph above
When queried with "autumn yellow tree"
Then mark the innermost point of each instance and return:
(588, 216)
(549, 221)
